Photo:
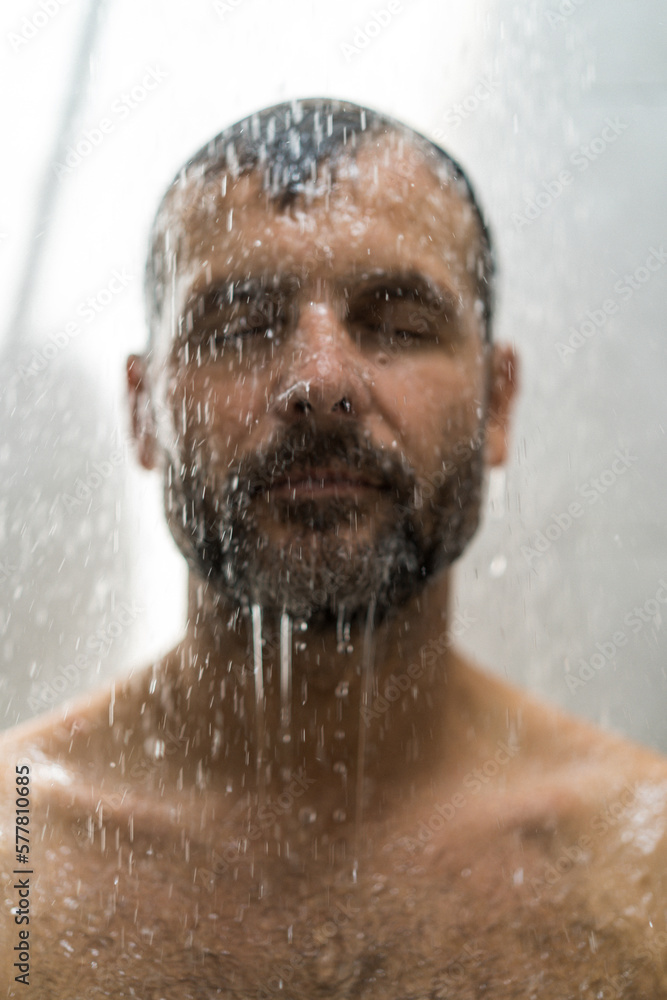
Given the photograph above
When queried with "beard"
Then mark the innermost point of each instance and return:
(337, 552)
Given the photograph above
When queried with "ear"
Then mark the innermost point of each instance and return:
(504, 376)
(143, 426)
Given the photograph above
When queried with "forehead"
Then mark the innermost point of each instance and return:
(384, 206)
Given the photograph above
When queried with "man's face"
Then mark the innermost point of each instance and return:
(321, 381)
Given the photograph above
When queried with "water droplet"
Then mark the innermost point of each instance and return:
(498, 566)
(342, 689)
(339, 816)
(343, 629)
(340, 767)
(307, 815)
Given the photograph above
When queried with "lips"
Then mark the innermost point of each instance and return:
(320, 480)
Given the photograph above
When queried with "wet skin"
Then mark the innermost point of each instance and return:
(502, 849)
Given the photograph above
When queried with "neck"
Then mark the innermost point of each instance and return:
(356, 713)
(290, 688)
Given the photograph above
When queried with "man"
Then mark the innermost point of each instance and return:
(314, 794)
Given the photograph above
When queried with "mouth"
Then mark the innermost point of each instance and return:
(323, 482)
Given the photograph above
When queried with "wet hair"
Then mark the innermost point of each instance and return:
(288, 143)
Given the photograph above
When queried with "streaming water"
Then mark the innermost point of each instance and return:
(343, 632)
(260, 724)
(366, 690)
(286, 741)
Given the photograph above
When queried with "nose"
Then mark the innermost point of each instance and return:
(326, 376)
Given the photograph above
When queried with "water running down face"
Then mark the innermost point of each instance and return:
(324, 383)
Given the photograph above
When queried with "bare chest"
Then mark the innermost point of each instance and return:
(178, 923)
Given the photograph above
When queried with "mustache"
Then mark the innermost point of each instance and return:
(308, 447)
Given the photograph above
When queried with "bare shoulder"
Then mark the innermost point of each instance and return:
(51, 781)
(604, 801)
(84, 731)
(566, 824)
(61, 758)
(572, 775)
(43, 757)
(551, 740)
(608, 856)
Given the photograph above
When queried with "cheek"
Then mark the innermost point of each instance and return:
(224, 410)
(434, 406)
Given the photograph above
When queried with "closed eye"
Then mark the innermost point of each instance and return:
(215, 323)
(398, 318)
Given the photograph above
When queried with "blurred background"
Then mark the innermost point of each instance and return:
(558, 110)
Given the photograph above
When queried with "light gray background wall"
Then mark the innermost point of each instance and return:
(514, 90)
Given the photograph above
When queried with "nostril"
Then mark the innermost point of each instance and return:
(302, 406)
(342, 404)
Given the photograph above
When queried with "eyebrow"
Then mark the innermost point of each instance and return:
(226, 290)
(409, 284)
